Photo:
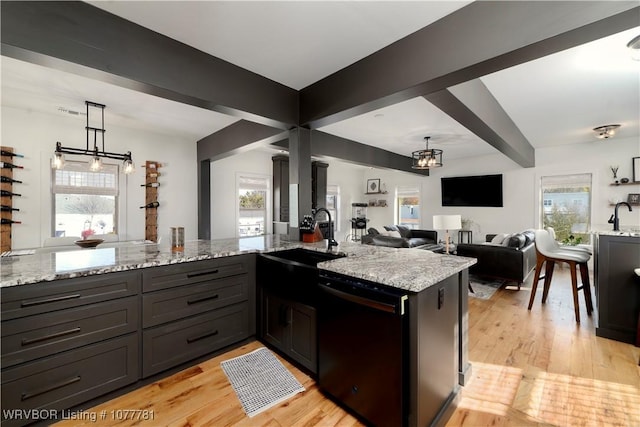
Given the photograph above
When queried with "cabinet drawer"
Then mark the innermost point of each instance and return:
(169, 345)
(42, 335)
(193, 272)
(43, 297)
(70, 378)
(174, 304)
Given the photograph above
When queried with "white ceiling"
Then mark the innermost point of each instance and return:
(553, 100)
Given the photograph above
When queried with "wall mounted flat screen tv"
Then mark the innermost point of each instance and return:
(482, 190)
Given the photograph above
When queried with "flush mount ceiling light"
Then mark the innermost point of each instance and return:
(606, 131)
(634, 45)
(428, 158)
(95, 163)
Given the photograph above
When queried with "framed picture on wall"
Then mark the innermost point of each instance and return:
(635, 167)
(633, 199)
(373, 185)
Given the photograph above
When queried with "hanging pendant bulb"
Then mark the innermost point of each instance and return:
(57, 161)
(128, 165)
(95, 164)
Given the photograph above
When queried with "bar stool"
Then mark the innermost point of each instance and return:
(548, 254)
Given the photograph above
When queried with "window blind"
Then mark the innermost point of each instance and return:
(77, 178)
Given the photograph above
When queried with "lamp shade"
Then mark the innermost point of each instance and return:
(447, 222)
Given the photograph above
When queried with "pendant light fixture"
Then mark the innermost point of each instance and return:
(95, 163)
(428, 158)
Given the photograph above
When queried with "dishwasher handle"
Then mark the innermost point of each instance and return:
(364, 301)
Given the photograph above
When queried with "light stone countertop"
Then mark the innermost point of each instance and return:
(410, 269)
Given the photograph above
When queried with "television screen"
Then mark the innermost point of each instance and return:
(483, 190)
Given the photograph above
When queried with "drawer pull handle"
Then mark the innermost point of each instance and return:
(202, 336)
(48, 300)
(202, 273)
(27, 341)
(44, 390)
(203, 299)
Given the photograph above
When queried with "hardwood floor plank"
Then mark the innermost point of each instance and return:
(533, 367)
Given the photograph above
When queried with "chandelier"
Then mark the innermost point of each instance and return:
(428, 158)
(95, 163)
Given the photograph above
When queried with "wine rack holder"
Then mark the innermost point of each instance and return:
(151, 195)
(5, 229)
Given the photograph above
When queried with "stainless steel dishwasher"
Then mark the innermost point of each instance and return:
(363, 348)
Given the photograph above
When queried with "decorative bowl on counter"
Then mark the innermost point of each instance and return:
(88, 243)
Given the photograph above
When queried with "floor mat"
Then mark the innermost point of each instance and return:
(260, 380)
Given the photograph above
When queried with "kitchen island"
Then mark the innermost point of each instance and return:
(96, 320)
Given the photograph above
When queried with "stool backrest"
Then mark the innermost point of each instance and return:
(545, 244)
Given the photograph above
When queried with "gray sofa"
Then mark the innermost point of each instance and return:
(409, 238)
(513, 259)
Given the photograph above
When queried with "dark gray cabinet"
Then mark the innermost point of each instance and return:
(290, 327)
(318, 185)
(66, 342)
(195, 308)
(280, 188)
(617, 287)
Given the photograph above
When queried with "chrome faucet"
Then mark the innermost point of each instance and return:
(332, 241)
(615, 220)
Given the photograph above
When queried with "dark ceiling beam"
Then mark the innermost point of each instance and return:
(478, 39)
(238, 137)
(472, 105)
(79, 38)
(327, 145)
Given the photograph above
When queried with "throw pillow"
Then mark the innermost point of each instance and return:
(529, 236)
(505, 241)
(516, 241)
(498, 238)
(404, 231)
(390, 228)
(373, 231)
(394, 234)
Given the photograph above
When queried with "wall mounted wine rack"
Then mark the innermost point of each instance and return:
(150, 201)
(6, 199)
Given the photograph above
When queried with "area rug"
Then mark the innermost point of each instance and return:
(484, 288)
(260, 380)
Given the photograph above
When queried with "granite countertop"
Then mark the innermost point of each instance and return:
(624, 233)
(410, 269)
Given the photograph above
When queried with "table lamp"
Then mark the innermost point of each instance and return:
(447, 222)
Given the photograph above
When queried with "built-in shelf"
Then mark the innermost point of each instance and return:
(379, 192)
(613, 184)
(632, 204)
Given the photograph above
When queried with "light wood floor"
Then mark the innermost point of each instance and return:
(530, 368)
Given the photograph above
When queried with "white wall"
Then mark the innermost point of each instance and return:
(224, 198)
(35, 134)
(520, 186)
